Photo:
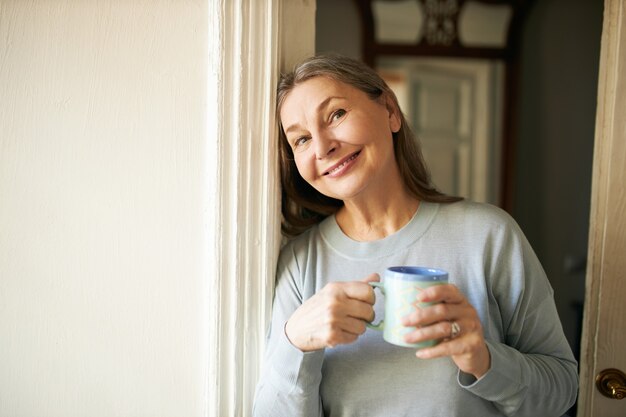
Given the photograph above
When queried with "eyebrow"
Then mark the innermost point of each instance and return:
(324, 103)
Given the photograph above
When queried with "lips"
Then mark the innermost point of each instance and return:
(342, 164)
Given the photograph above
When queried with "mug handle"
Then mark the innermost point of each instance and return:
(381, 324)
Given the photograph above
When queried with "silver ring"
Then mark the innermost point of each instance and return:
(455, 329)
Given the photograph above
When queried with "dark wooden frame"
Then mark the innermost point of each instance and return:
(509, 55)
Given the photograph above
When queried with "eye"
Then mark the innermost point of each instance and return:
(301, 141)
(337, 115)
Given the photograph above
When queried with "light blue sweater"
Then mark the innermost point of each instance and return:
(533, 372)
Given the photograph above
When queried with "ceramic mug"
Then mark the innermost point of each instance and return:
(400, 286)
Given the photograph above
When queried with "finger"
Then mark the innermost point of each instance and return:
(446, 293)
(462, 344)
(374, 277)
(437, 351)
(467, 344)
(343, 332)
(342, 338)
(359, 290)
(353, 326)
(428, 315)
(359, 310)
(439, 331)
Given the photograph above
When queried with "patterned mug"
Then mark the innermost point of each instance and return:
(400, 286)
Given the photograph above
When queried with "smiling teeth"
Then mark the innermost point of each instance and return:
(343, 164)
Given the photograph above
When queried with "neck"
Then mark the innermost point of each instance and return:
(376, 218)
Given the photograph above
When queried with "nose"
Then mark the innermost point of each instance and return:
(324, 146)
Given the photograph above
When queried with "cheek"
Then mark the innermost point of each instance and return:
(363, 132)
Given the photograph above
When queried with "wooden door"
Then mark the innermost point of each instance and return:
(453, 107)
(604, 328)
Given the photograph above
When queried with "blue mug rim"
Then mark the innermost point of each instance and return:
(417, 273)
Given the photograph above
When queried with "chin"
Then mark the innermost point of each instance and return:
(345, 192)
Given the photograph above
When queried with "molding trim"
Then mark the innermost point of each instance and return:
(249, 40)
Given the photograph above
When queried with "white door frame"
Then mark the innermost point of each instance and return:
(253, 40)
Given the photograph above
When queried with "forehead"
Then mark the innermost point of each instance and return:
(308, 95)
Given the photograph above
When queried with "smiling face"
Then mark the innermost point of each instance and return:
(341, 139)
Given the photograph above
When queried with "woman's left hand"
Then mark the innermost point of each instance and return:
(467, 348)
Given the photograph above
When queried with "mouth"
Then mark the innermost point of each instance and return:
(341, 165)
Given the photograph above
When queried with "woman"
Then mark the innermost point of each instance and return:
(358, 198)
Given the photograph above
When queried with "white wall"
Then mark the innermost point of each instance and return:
(104, 246)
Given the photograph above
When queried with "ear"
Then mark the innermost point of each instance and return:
(395, 119)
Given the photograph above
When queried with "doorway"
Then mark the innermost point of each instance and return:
(555, 123)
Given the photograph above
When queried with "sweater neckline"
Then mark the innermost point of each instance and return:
(334, 237)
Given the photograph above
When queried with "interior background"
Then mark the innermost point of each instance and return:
(556, 121)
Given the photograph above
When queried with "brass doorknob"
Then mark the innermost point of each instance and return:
(611, 383)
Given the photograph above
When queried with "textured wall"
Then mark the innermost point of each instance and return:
(103, 249)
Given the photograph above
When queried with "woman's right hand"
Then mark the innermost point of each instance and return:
(333, 316)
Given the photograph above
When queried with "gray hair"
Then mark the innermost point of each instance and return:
(304, 206)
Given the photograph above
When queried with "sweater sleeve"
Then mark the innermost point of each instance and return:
(542, 380)
(290, 379)
(533, 370)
